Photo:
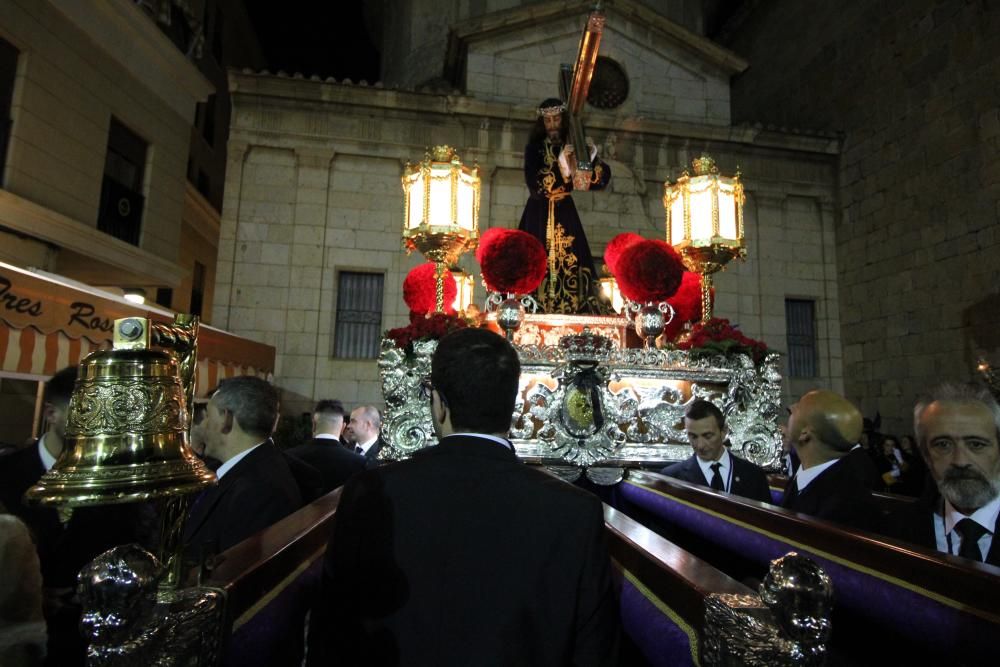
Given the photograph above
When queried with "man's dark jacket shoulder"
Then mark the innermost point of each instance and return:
(335, 463)
(255, 493)
(836, 495)
(749, 480)
(913, 523)
(864, 467)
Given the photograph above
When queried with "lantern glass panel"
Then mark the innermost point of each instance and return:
(609, 287)
(440, 213)
(701, 214)
(415, 214)
(463, 297)
(466, 203)
(727, 212)
(677, 220)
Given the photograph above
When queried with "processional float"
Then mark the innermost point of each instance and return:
(589, 404)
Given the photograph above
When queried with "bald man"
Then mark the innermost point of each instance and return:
(822, 428)
(362, 432)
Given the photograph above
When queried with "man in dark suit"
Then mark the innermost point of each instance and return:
(256, 488)
(462, 554)
(66, 540)
(712, 464)
(823, 427)
(958, 433)
(335, 463)
(363, 433)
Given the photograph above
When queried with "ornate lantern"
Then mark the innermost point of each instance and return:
(440, 210)
(705, 222)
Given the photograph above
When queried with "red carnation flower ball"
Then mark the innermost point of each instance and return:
(511, 260)
(649, 270)
(616, 246)
(420, 289)
(687, 300)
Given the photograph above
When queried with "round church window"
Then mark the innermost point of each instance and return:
(609, 86)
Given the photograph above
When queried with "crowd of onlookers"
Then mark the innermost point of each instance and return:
(901, 468)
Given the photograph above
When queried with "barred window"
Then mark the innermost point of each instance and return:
(359, 315)
(800, 323)
(122, 201)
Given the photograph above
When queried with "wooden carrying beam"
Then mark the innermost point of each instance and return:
(931, 603)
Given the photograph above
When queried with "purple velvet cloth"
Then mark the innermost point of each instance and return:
(915, 616)
(661, 641)
(275, 635)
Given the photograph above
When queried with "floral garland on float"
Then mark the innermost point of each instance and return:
(718, 336)
(513, 264)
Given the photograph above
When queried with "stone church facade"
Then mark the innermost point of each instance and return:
(313, 183)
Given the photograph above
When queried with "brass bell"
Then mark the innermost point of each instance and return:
(127, 427)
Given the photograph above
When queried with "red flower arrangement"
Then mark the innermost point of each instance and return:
(425, 327)
(420, 289)
(649, 270)
(718, 336)
(616, 247)
(511, 261)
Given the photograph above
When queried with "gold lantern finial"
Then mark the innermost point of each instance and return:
(440, 210)
(704, 221)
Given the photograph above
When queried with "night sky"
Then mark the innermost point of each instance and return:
(324, 38)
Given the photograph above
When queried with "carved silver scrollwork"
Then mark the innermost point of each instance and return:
(406, 426)
(640, 395)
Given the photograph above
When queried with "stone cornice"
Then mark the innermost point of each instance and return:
(26, 217)
(296, 93)
(123, 31)
(509, 20)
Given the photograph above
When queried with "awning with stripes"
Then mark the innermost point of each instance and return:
(48, 323)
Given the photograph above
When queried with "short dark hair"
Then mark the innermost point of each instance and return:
(330, 408)
(253, 402)
(59, 387)
(477, 373)
(700, 409)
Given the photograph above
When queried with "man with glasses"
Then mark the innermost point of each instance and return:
(957, 430)
(462, 554)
